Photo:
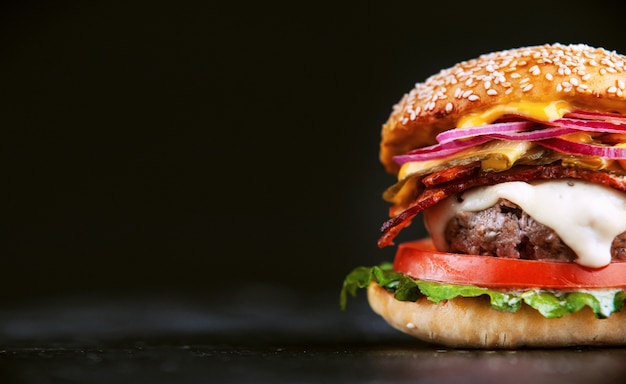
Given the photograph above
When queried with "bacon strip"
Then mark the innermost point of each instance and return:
(452, 173)
(441, 186)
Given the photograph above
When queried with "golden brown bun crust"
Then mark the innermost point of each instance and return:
(471, 323)
(587, 77)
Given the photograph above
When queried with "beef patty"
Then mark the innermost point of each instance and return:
(505, 230)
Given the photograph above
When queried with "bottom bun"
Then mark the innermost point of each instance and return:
(472, 323)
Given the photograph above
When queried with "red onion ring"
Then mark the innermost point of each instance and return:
(463, 133)
(592, 115)
(438, 151)
(583, 149)
(540, 134)
(458, 139)
(590, 125)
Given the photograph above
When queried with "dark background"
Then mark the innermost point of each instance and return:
(194, 146)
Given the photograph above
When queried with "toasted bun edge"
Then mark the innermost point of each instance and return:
(472, 323)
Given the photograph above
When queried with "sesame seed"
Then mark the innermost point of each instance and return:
(606, 61)
(467, 93)
(612, 89)
(449, 107)
(549, 76)
(621, 84)
(582, 88)
(515, 75)
(527, 87)
(573, 81)
(534, 70)
(492, 92)
(473, 98)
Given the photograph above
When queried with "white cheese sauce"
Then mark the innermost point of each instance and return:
(586, 216)
(606, 299)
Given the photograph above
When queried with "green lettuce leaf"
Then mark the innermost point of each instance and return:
(551, 304)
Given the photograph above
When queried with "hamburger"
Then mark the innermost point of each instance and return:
(516, 163)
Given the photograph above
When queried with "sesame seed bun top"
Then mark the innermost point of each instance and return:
(586, 77)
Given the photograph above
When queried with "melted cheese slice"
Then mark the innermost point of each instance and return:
(586, 216)
(533, 110)
(496, 155)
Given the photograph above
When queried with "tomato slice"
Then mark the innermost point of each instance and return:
(420, 260)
